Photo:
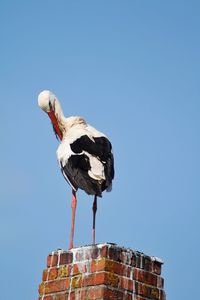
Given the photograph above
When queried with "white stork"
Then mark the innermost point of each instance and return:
(84, 155)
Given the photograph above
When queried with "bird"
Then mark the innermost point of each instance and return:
(84, 155)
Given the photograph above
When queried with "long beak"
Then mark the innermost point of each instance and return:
(54, 121)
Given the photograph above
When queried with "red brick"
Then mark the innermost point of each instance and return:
(110, 266)
(111, 279)
(148, 264)
(128, 296)
(71, 296)
(160, 282)
(93, 279)
(44, 275)
(78, 269)
(52, 260)
(70, 270)
(98, 265)
(53, 273)
(118, 268)
(95, 253)
(162, 295)
(156, 267)
(77, 281)
(112, 294)
(146, 291)
(64, 271)
(126, 284)
(91, 253)
(50, 274)
(126, 257)
(82, 294)
(54, 286)
(104, 251)
(66, 258)
(114, 253)
(41, 289)
(145, 277)
(104, 293)
(61, 296)
(106, 278)
(96, 292)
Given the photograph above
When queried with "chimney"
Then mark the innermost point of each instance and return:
(102, 271)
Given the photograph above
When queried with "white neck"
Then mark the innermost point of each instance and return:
(58, 110)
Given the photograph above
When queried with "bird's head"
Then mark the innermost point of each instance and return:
(49, 103)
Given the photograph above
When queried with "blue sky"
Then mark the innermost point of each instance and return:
(131, 68)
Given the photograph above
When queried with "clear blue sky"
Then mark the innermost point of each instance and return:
(132, 69)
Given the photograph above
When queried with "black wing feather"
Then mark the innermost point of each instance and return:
(78, 165)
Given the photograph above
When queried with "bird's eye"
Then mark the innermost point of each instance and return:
(51, 106)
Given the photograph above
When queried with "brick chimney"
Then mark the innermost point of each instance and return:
(103, 271)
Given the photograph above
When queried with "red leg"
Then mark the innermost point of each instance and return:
(94, 218)
(74, 202)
